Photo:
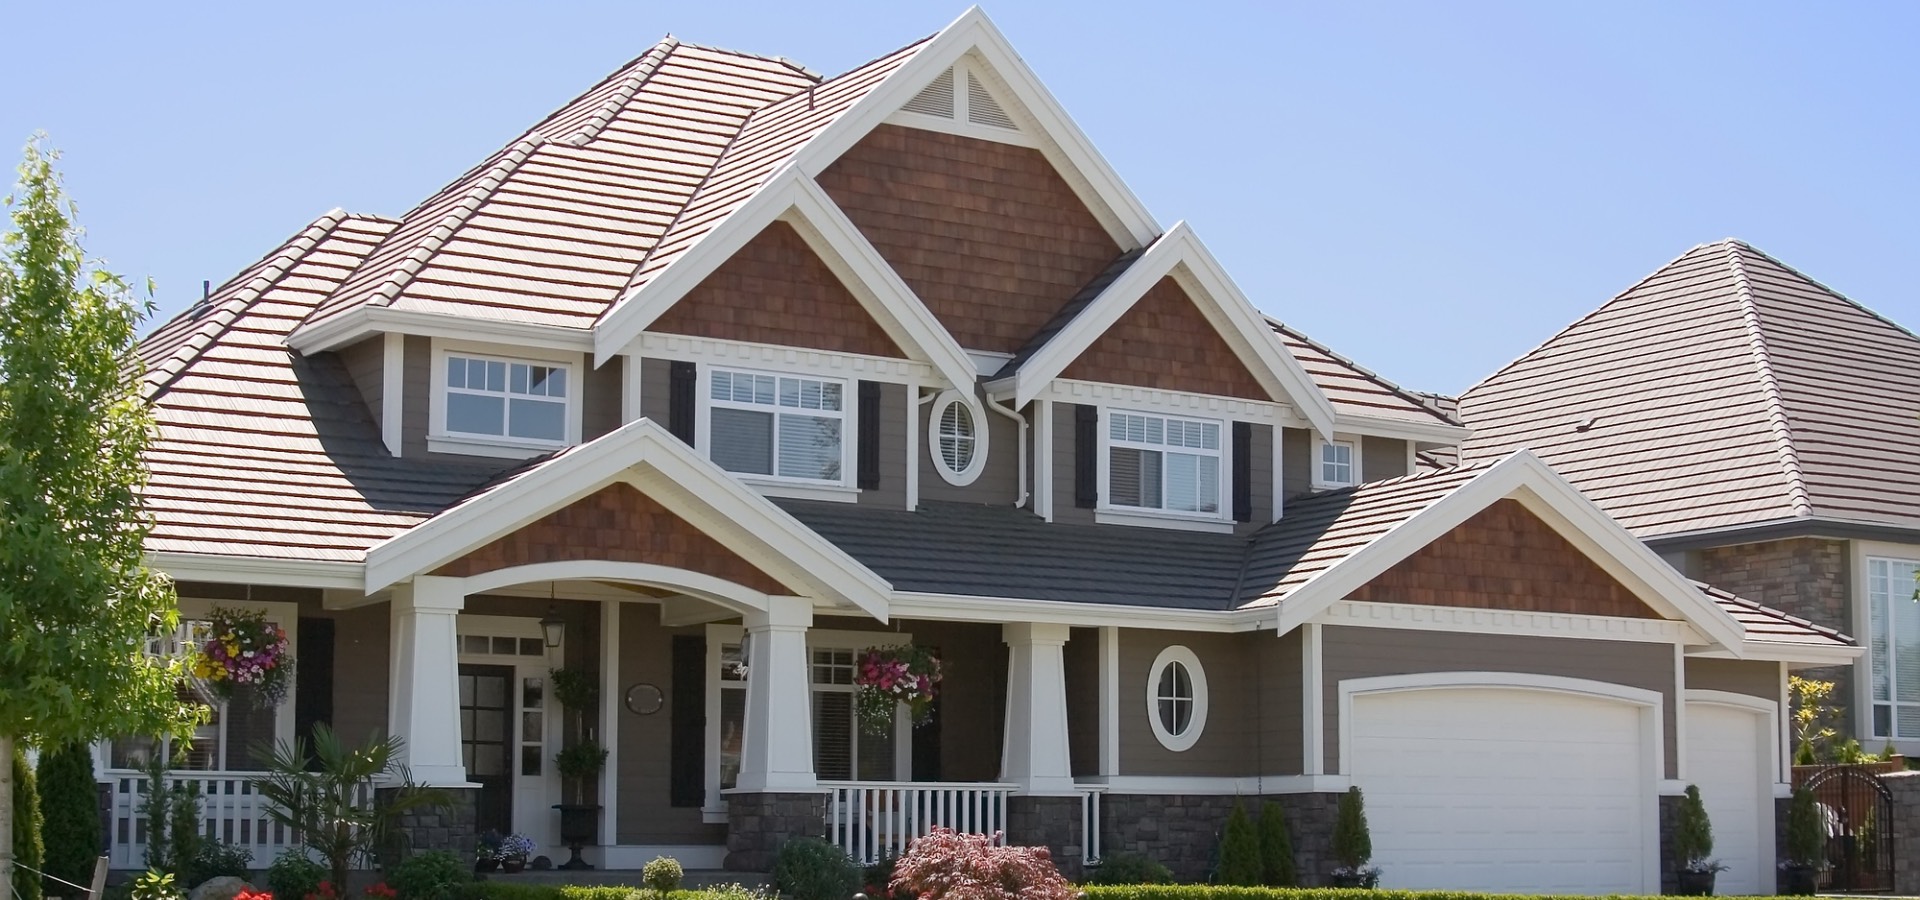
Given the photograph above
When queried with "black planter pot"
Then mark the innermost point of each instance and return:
(1695, 884)
(1798, 881)
(513, 866)
(487, 864)
(578, 823)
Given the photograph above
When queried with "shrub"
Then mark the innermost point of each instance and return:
(1693, 833)
(1276, 847)
(1129, 868)
(1353, 842)
(945, 865)
(876, 877)
(428, 876)
(27, 848)
(69, 812)
(812, 869)
(1806, 840)
(153, 885)
(294, 876)
(663, 875)
(1239, 851)
(214, 859)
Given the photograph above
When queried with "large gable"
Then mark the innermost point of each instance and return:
(1164, 342)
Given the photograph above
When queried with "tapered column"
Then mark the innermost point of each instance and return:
(424, 690)
(776, 751)
(1035, 755)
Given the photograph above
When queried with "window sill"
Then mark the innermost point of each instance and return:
(834, 493)
(1171, 522)
(498, 449)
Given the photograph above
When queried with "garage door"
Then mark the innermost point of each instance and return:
(1505, 789)
(1726, 759)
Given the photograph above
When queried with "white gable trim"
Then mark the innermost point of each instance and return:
(348, 327)
(659, 465)
(1179, 253)
(1523, 477)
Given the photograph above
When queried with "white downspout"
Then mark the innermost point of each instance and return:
(1022, 461)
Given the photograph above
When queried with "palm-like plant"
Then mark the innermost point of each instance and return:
(329, 807)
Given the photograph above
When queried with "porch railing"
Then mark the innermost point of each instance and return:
(1090, 824)
(231, 810)
(872, 820)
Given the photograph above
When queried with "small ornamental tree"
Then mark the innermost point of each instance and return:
(1276, 847)
(77, 601)
(1240, 863)
(1806, 840)
(946, 865)
(1353, 842)
(28, 850)
(1693, 833)
(69, 812)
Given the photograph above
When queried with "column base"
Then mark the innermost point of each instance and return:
(423, 828)
(759, 823)
(1183, 831)
(1053, 823)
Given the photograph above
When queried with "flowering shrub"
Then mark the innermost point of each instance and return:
(889, 675)
(250, 894)
(947, 865)
(375, 891)
(324, 892)
(243, 648)
(514, 846)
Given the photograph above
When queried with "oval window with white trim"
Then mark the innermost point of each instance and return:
(1177, 698)
(954, 438)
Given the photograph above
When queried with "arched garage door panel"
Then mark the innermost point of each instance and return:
(1728, 758)
(1509, 789)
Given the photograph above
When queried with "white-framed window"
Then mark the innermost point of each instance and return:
(1177, 698)
(1339, 465)
(957, 438)
(1166, 464)
(1894, 651)
(778, 427)
(490, 401)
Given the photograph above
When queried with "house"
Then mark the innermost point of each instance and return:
(725, 372)
(1757, 429)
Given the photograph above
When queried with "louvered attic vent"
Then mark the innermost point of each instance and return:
(982, 109)
(977, 106)
(936, 100)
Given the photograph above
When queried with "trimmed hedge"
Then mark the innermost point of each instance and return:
(1225, 892)
(500, 889)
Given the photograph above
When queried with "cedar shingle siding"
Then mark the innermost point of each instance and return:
(1164, 342)
(620, 524)
(1504, 557)
(989, 235)
(776, 290)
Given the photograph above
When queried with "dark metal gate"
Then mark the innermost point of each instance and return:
(1856, 811)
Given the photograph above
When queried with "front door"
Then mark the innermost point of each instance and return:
(486, 737)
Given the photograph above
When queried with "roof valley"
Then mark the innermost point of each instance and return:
(1777, 421)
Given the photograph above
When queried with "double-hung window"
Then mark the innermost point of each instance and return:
(502, 398)
(778, 426)
(1163, 463)
(1336, 464)
(1895, 650)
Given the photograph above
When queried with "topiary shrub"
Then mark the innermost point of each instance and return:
(28, 851)
(1276, 848)
(1353, 843)
(425, 876)
(1239, 851)
(663, 875)
(1129, 868)
(69, 813)
(294, 876)
(812, 869)
(1806, 839)
(1693, 833)
(946, 865)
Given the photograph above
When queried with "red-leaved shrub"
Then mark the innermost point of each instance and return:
(947, 865)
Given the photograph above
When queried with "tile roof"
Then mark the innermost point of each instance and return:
(1355, 390)
(1771, 626)
(1725, 389)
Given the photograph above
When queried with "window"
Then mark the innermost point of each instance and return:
(842, 751)
(1177, 698)
(503, 398)
(778, 426)
(1895, 650)
(1336, 464)
(1163, 463)
(958, 450)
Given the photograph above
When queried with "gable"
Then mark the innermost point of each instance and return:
(618, 524)
(992, 239)
(1164, 342)
(776, 290)
(1504, 557)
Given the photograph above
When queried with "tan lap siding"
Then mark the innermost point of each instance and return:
(973, 690)
(600, 394)
(1282, 724)
(998, 482)
(1296, 461)
(1064, 454)
(1382, 458)
(362, 649)
(1260, 484)
(1349, 653)
(366, 364)
(656, 390)
(1735, 676)
(643, 763)
(1226, 744)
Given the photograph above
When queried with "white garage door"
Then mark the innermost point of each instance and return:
(1726, 759)
(1505, 789)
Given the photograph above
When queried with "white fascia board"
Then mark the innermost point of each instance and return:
(1520, 476)
(1801, 655)
(701, 492)
(229, 569)
(1400, 429)
(970, 608)
(367, 321)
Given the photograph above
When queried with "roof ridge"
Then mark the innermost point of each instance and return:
(1407, 394)
(1769, 385)
(161, 376)
(483, 187)
(1398, 480)
(1837, 295)
(639, 72)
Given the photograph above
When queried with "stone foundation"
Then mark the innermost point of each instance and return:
(1051, 822)
(1183, 832)
(423, 828)
(758, 824)
(1669, 863)
(1310, 819)
(1905, 787)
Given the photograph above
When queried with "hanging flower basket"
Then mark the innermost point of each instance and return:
(243, 648)
(887, 676)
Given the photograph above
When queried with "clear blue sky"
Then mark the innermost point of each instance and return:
(1431, 188)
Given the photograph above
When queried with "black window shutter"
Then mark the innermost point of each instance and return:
(1086, 450)
(313, 690)
(1242, 472)
(687, 767)
(681, 401)
(868, 445)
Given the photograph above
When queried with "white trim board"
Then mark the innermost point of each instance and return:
(350, 326)
(222, 568)
(1501, 621)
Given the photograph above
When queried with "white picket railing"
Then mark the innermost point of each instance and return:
(231, 810)
(1090, 824)
(873, 820)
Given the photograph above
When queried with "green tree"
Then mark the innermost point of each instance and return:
(1239, 851)
(69, 813)
(1352, 841)
(1276, 847)
(323, 804)
(77, 601)
(28, 850)
(1693, 833)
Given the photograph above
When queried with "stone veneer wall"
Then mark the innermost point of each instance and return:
(1806, 577)
(1669, 864)
(1052, 822)
(1905, 787)
(757, 824)
(449, 827)
(1183, 832)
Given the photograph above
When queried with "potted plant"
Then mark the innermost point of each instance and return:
(1806, 846)
(887, 676)
(486, 852)
(1693, 847)
(579, 763)
(1353, 844)
(513, 852)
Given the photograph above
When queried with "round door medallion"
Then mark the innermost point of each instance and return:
(645, 699)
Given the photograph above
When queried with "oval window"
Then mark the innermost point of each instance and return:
(955, 441)
(1177, 698)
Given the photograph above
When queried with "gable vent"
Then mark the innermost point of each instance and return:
(982, 109)
(936, 99)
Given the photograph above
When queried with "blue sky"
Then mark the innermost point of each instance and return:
(1430, 188)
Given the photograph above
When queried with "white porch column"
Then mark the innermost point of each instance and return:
(611, 703)
(776, 751)
(1035, 755)
(424, 690)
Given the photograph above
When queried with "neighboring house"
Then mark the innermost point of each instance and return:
(727, 372)
(1758, 430)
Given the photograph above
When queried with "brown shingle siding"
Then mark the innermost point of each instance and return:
(1164, 342)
